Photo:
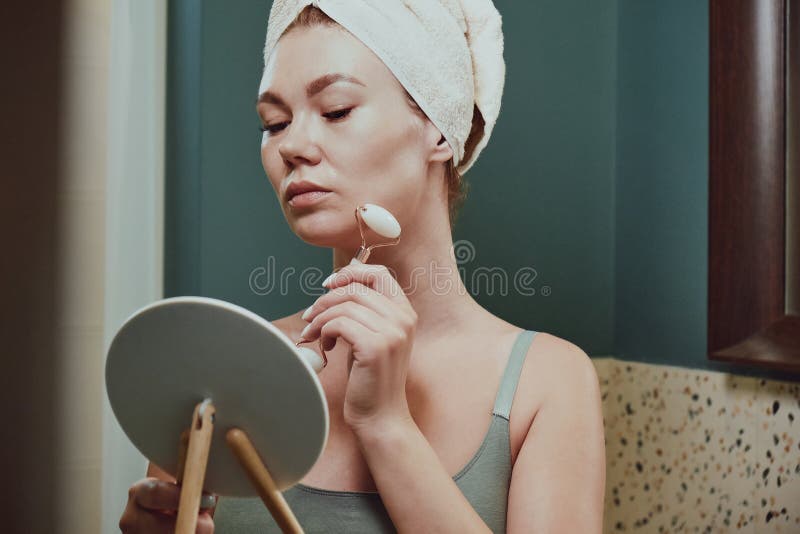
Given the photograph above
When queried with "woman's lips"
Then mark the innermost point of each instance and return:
(307, 199)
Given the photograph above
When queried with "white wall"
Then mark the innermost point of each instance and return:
(81, 265)
(111, 230)
(134, 205)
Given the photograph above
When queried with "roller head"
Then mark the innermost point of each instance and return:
(380, 221)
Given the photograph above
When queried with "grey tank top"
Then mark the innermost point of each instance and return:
(484, 481)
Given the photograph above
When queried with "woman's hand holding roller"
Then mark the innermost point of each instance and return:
(368, 309)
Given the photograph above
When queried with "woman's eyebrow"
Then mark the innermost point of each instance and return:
(312, 88)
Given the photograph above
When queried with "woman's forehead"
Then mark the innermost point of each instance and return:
(305, 54)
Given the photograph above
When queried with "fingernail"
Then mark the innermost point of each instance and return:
(208, 501)
(305, 331)
(307, 313)
(300, 342)
(328, 280)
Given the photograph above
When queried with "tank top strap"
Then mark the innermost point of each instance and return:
(508, 384)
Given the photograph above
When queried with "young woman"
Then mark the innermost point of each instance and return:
(444, 418)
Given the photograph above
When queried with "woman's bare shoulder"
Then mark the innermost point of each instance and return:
(554, 351)
(554, 365)
(559, 363)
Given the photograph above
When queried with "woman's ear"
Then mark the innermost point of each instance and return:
(440, 148)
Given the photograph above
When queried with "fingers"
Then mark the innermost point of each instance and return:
(148, 522)
(155, 494)
(365, 342)
(358, 312)
(205, 523)
(357, 293)
(376, 277)
(136, 520)
(370, 297)
(152, 508)
(350, 321)
(379, 283)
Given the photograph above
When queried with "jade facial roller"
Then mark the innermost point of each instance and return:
(380, 221)
(383, 223)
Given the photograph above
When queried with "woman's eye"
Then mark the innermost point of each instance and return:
(333, 115)
(338, 114)
(273, 128)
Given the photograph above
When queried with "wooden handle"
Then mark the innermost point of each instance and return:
(257, 472)
(182, 448)
(195, 468)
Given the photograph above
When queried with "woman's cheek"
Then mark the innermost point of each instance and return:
(268, 163)
(265, 161)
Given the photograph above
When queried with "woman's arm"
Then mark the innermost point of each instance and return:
(417, 491)
(558, 480)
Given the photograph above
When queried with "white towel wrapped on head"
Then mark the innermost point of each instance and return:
(448, 55)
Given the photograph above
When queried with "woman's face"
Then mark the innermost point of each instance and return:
(357, 136)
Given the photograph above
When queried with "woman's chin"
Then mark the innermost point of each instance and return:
(326, 230)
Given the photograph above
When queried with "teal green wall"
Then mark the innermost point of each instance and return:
(596, 175)
(542, 191)
(662, 184)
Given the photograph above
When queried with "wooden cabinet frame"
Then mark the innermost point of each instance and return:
(754, 183)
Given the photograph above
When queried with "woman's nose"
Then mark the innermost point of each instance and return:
(298, 145)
